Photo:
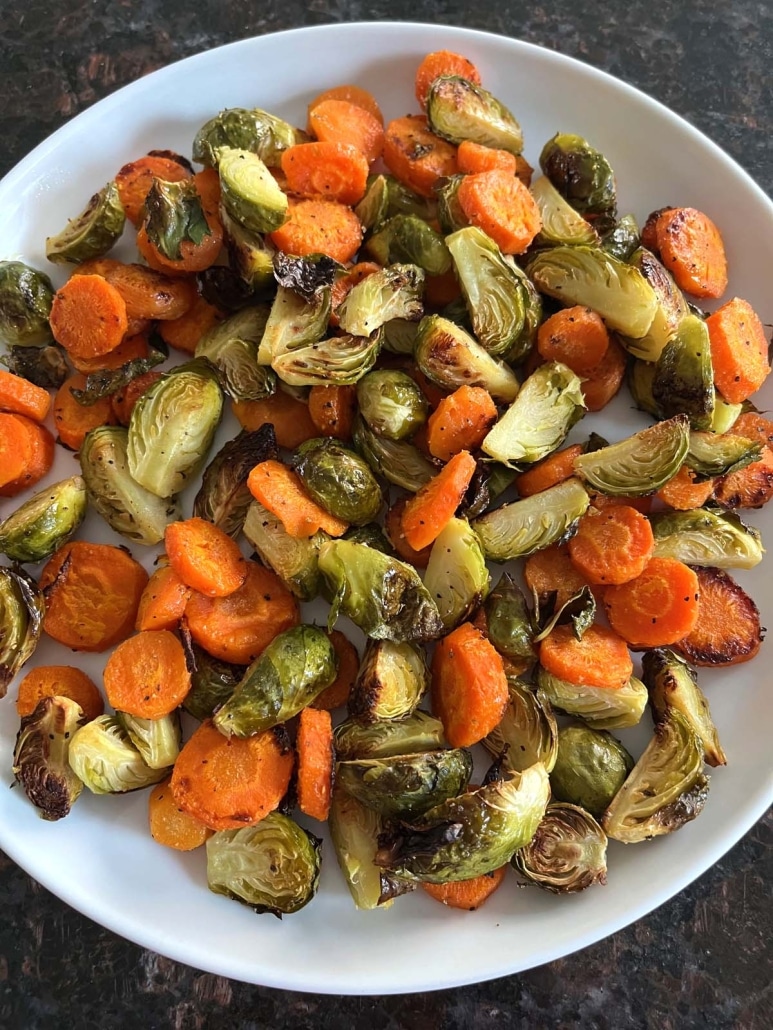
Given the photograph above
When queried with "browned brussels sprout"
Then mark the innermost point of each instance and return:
(459, 110)
(449, 210)
(392, 680)
(224, 497)
(394, 292)
(391, 403)
(245, 129)
(451, 358)
(580, 173)
(338, 360)
(561, 223)
(45, 522)
(671, 308)
(307, 276)
(712, 455)
(294, 559)
(250, 255)
(567, 853)
(339, 480)
(640, 464)
(41, 756)
(44, 366)
(408, 239)
(104, 758)
(372, 210)
(527, 733)
(21, 621)
(212, 682)
(508, 622)
(93, 232)
(591, 766)
(398, 461)
(684, 375)
(250, 193)
(623, 239)
(605, 709)
(26, 296)
(294, 322)
(456, 574)
(232, 347)
(706, 537)
(385, 738)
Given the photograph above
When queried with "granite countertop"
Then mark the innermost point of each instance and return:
(700, 961)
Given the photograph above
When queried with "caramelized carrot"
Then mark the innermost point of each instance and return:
(692, 250)
(354, 95)
(88, 316)
(739, 350)
(750, 487)
(129, 349)
(73, 420)
(170, 825)
(147, 675)
(604, 381)
(416, 156)
(502, 207)
(340, 121)
(337, 694)
(135, 179)
(21, 397)
(326, 171)
(332, 410)
(657, 608)
(343, 285)
(612, 546)
(393, 527)
(319, 227)
(123, 401)
(467, 895)
(682, 492)
(576, 336)
(314, 745)
(27, 449)
(204, 557)
(442, 62)
(549, 472)
(727, 630)
(163, 601)
(600, 659)
(552, 570)
(59, 681)
(754, 426)
(184, 333)
(290, 418)
(473, 157)
(469, 686)
(281, 490)
(146, 293)
(428, 512)
(460, 422)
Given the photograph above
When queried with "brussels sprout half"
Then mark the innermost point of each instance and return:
(408, 239)
(391, 403)
(308, 275)
(451, 358)
(103, 756)
(590, 767)
(249, 254)
(602, 707)
(392, 679)
(561, 223)
(449, 210)
(704, 536)
(157, 740)
(22, 609)
(45, 522)
(671, 308)
(294, 559)
(640, 464)
(712, 455)
(393, 292)
(528, 732)
(93, 232)
(245, 129)
(250, 193)
(457, 110)
(26, 296)
(456, 574)
(354, 831)
(44, 366)
(339, 480)
(41, 756)
(508, 621)
(372, 210)
(293, 323)
(623, 239)
(224, 497)
(385, 738)
(336, 361)
(684, 375)
(232, 347)
(567, 853)
(398, 461)
(372, 535)
(580, 173)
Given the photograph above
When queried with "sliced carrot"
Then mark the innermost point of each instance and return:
(473, 157)
(440, 290)
(600, 659)
(341, 121)
(314, 745)
(230, 782)
(754, 426)
(692, 250)
(467, 895)
(551, 570)
(281, 490)
(606, 501)
(129, 349)
(148, 294)
(337, 694)
(750, 487)
(612, 546)
(290, 418)
(123, 401)
(147, 675)
(649, 236)
(469, 686)
(603, 382)
(345, 283)
(682, 492)
(416, 156)
(502, 207)
(549, 472)
(59, 681)
(393, 527)
(354, 95)
(326, 171)
(332, 410)
(135, 179)
(163, 601)
(170, 825)
(739, 350)
(576, 336)
(184, 333)
(523, 170)
(88, 316)
(442, 62)
(239, 627)
(657, 608)
(319, 227)
(460, 422)
(73, 420)
(195, 257)
(428, 512)
(25, 447)
(21, 397)
(204, 557)
(727, 630)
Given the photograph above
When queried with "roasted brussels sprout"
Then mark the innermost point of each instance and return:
(623, 239)
(641, 463)
(103, 756)
(665, 789)
(339, 480)
(93, 232)
(724, 415)
(250, 193)
(381, 595)
(26, 296)
(672, 683)
(567, 853)
(44, 366)
(295, 667)
(245, 129)
(403, 201)
(590, 276)
(40, 756)
(408, 239)
(212, 681)
(392, 680)
(294, 559)
(232, 347)
(449, 210)
(457, 110)
(399, 461)
(451, 358)
(591, 766)
(385, 738)
(157, 740)
(394, 292)
(580, 173)
(528, 732)
(339, 360)
(561, 223)
(224, 497)
(373, 209)
(21, 621)
(712, 455)
(671, 308)
(603, 708)
(405, 786)
(372, 535)
(704, 536)
(272, 866)
(249, 254)
(640, 376)
(45, 522)
(128, 508)
(519, 529)
(293, 323)
(400, 336)
(308, 275)
(684, 375)
(549, 403)
(171, 429)
(456, 574)
(469, 835)
(174, 215)
(354, 831)
(391, 403)
(508, 623)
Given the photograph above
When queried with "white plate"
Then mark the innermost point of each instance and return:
(101, 859)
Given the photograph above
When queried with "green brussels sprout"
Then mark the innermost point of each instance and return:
(406, 786)
(372, 535)
(703, 536)
(459, 110)
(403, 201)
(623, 239)
(391, 403)
(250, 193)
(671, 308)
(103, 756)
(354, 831)
(272, 866)
(519, 529)
(250, 255)
(641, 463)
(391, 682)
(174, 215)
(212, 682)
(567, 853)
(245, 129)
(665, 789)
(294, 559)
(108, 381)
(293, 323)
(456, 574)
(339, 360)
(385, 738)
(532, 318)
(394, 292)
(128, 508)
(673, 683)
(232, 347)
(528, 732)
(26, 296)
(372, 210)
(295, 667)
(22, 609)
(157, 740)
(469, 835)
(449, 210)
(408, 239)
(508, 622)
(592, 277)
(224, 497)
(171, 429)
(383, 596)
(339, 480)
(93, 232)
(724, 414)
(398, 461)
(308, 275)
(222, 286)
(602, 707)
(40, 756)
(684, 375)
(590, 768)
(561, 224)
(548, 404)
(712, 455)
(400, 336)
(44, 366)
(580, 173)
(450, 357)
(45, 522)
(640, 376)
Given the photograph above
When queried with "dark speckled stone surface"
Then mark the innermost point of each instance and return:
(703, 960)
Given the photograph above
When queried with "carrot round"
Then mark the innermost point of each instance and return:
(184, 333)
(26, 453)
(73, 420)
(467, 895)
(603, 382)
(88, 316)
(442, 62)
(281, 490)
(239, 627)
(314, 745)
(21, 397)
(59, 681)
(92, 594)
(393, 527)
(337, 694)
(612, 546)
(428, 512)
(727, 630)
(230, 782)
(739, 350)
(135, 179)
(416, 156)
(657, 608)
(682, 492)
(469, 686)
(332, 410)
(354, 95)
(163, 601)
(319, 227)
(170, 825)
(576, 336)
(692, 250)
(123, 401)
(600, 659)
(549, 472)
(500, 205)
(341, 121)
(460, 422)
(131, 347)
(147, 293)
(551, 570)
(204, 557)
(754, 426)
(750, 487)
(324, 170)
(605, 501)
(194, 257)
(473, 157)
(147, 675)
(290, 418)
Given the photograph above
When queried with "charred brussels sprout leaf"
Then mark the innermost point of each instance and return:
(250, 256)
(712, 455)
(459, 110)
(684, 375)
(21, 621)
(306, 276)
(527, 733)
(245, 129)
(354, 831)
(578, 611)
(250, 193)
(508, 622)
(174, 215)
(602, 707)
(391, 403)
(671, 308)
(450, 214)
(293, 323)
(224, 496)
(405, 786)
(26, 296)
(580, 173)
(108, 381)
(93, 232)
(591, 766)
(294, 559)
(400, 336)
(272, 867)
(456, 575)
(339, 480)
(40, 756)
(623, 239)
(212, 682)
(372, 209)
(640, 464)
(666, 788)
(392, 680)
(393, 292)
(451, 358)
(567, 853)
(561, 224)
(383, 596)
(385, 738)
(157, 740)
(398, 461)
(408, 239)
(706, 537)
(104, 758)
(45, 522)
(337, 361)
(640, 376)
(232, 347)
(44, 366)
